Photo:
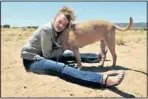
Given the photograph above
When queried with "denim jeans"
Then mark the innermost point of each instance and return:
(45, 66)
(85, 57)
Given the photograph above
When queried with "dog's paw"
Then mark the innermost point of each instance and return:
(101, 65)
(114, 65)
(79, 67)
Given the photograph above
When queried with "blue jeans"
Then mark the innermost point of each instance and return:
(45, 66)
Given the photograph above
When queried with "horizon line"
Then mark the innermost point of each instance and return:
(74, 23)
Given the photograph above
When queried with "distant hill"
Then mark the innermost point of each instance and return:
(135, 25)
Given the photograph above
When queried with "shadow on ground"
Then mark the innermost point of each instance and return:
(107, 68)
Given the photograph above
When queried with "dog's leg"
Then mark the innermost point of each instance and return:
(103, 52)
(111, 45)
(78, 58)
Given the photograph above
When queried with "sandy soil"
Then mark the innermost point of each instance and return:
(16, 82)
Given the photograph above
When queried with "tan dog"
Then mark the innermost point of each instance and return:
(90, 32)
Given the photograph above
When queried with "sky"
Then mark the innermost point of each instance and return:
(39, 13)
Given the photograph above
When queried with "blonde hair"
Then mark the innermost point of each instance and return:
(69, 13)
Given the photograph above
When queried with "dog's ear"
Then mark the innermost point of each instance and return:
(66, 30)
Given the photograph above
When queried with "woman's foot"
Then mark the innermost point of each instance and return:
(113, 72)
(110, 81)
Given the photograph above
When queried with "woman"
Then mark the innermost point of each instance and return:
(44, 44)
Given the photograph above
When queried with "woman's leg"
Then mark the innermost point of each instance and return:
(45, 66)
(81, 77)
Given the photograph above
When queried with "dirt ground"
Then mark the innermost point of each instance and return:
(16, 82)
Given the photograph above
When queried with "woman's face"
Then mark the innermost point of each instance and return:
(60, 22)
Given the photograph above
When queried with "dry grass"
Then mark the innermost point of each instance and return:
(15, 34)
(123, 38)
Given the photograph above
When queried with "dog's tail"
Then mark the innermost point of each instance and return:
(127, 27)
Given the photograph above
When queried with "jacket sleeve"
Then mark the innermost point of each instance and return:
(46, 43)
(28, 51)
